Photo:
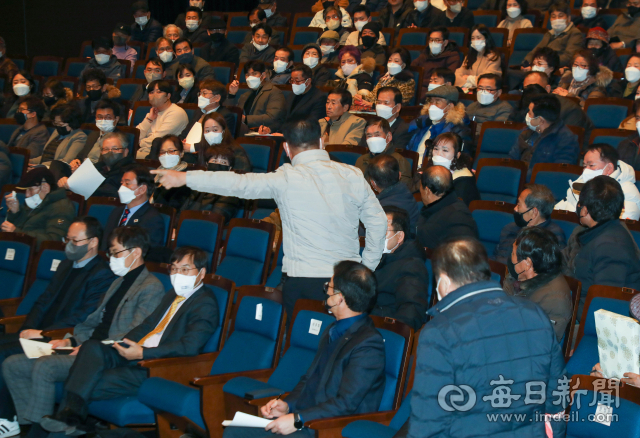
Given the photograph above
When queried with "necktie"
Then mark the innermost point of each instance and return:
(160, 327)
(123, 221)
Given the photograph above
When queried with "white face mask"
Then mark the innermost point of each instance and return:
(579, 74)
(385, 250)
(347, 69)
(421, 5)
(513, 12)
(196, 4)
(150, 77)
(260, 47)
(360, 24)
(588, 12)
(384, 111)
(183, 284)
(268, 12)
(333, 24)
(298, 89)
(169, 161)
(253, 24)
(311, 61)
(279, 66)
(21, 89)
(437, 160)
(376, 144)
(119, 266)
(559, 25)
(527, 120)
(638, 127)
(213, 137)
(102, 59)
(166, 56)
(106, 125)
(33, 201)
(538, 68)
(126, 195)
(435, 113)
(203, 102)
(456, 8)
(187, 83)
(436, 48)
(588, 174)
(485, 97)
(192, 24)
(432, 87)
(327, 49)
(253, 82)
(632, 74)
(438, 288)
(394, 68)
(478, 45)
(141, 21)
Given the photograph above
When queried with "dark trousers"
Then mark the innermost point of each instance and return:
(9, 345)
(294, 288)
(100, 373)
(256, 432)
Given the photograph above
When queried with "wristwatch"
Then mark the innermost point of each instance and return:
(297, 421)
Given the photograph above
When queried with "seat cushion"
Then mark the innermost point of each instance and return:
(243, 385)
(584, 357)
(367, 429)
(122, 411)
(166, 396)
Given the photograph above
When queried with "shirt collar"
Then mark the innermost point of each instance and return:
(309, 156)
(341, 327)
(133, 210)
(83, 263)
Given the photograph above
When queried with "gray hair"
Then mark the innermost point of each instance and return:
(119, 136)
(541, 197)
(168, 26)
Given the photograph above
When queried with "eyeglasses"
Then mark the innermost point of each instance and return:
(297, 81)
(157, 70)
(75, 242)
(184, 270)
(92, 87)
(113, 254)
(105, 118)
(107, 150)
(206, 93)
(170, 152)
(326, 288)
(490, 90)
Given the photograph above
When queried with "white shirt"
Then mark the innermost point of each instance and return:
(154, 341)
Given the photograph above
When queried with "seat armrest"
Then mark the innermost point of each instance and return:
(224, 378)
(12, 323)
(180, 369)
(9, 306)
(258, 402)
(58, 333)
(344, 420)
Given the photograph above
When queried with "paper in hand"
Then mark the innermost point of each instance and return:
(85, 180)
(245, 420)
(35, 349)
(194, 136)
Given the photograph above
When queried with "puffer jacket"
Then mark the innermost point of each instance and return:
(626, 176)
(474, 338)
(448, 58)
(629, 150)
(455, 121)
(112, 69)
(402, 291)
(403, 81)
(602, 79)
(360, 81)
(557, 144)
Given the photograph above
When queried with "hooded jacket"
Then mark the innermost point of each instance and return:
(602, 79)
(448, 58)
(112, 69)
(403, 285)
(557, 144)
(360, 81)
(625, 175)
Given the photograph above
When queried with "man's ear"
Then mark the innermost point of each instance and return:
(401, 237)
(548, 88)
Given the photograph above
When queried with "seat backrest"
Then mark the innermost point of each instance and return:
(140, 111)
(413, 37)
(19, 160)
(397, 339)
(46, 66)
(51, 254)
(497, 138)
(161, 271)
(304, 338)
(128, 87)
(524, 40)
(491, 217)
(201, 229)
(304, 36)
(100, 211)
(223, 290)
(607, 112)
(302, 19)
(611, 304)
(611, 137)
(402, 416)
(567, 220)
(347, 154)
(7, 127)
(237, 36)
(16, 251)
(237, 19)
(500, 179)
(223, 71)
(261, 153)
(168, 215)
(74, 66)
(253, 341)
(459, 34)
(556, 177)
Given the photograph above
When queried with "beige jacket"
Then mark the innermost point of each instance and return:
(484, 64)
(321, 203)
(346, 130)
(173, 120)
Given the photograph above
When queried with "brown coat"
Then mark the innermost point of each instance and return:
(449, 58)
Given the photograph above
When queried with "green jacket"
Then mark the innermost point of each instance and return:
(48, 221)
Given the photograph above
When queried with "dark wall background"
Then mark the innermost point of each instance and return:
(58, 27)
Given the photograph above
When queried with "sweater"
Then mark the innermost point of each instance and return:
(170, 121)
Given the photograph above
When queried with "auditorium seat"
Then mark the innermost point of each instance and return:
(500, 179)
(202, 229)
(491, 217)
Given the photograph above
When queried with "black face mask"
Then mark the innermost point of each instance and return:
(578, 211)
(217, 37)
(518, 218)
(94, 95)
(633, 10)
(186, 58)
(50, 100)
(368, 41)
(20, 118)
(119, 41)
(215, 167)
(111, 158)
(512, 268)
(598, 52)
(62, 130)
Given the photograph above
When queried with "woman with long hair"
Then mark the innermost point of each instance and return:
(482, 58)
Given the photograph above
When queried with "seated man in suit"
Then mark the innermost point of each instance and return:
(183, 49)
(265, 104)
(346, 376)
(32, 134)
(135, 191)
(257, 16)
(130, 299)
(306, 101)
(380, 141)
(73, 294)
(153, 71)
(443, 215)
(180, 326)
(340, 126)
(388, 106)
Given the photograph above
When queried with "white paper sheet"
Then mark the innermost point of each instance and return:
(245, 420)
(85, 180)
(194, 136)
(35, 349)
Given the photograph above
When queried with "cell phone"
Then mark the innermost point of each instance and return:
(123, 345)
(63, 351)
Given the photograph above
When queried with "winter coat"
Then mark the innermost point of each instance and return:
(403, 285)
(629, 150)
(360, 81)
(581, 90)
(398, 20)
(464, 184)
(608, 58)
(113, 176)
(426, 18)
(626, 28)
(590, 23)
(625, 175)
(112, 69)
(48, 221)
(377, 52)
(399, 196)
(348, 129)
(467, 76)
(67, 150)
(566, 43)
(509, 233)
(88, 107)
(555, 145)
(448, 58)
(223, 51)
(479, 336)
(403, 81)
(622, 88)
(496, 111)
(447, 217)
(463, 19)
(148, 33)
(226, 206)
(174, 197)
(551, 292)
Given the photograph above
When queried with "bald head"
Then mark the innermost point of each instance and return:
(462, 261)
(536, 77)
(383, 171)
(438, 180)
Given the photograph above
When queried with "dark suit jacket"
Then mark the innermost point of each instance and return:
(353, 380)
(113, 177)
(268, 107)
(92, 138)
(312, 105)
(445, 218)
(224, 51)
(34, 139)
(189, 330)
(399, 132)
(78, 301)
(146, 217)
